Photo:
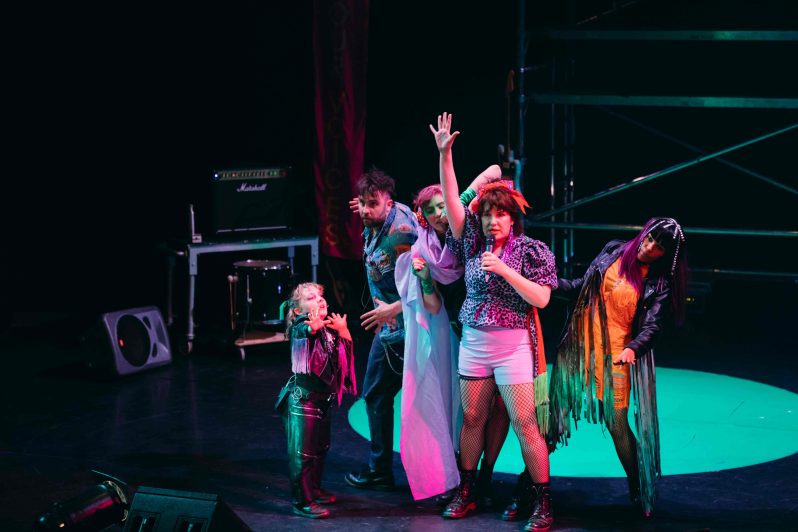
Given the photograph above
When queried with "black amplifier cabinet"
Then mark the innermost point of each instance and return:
(251, 200)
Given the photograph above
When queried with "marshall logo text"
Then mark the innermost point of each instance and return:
(246, 187)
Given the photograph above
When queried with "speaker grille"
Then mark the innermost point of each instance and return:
(133, 339)
(138, 339)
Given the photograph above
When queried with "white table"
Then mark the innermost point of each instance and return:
(195, 250)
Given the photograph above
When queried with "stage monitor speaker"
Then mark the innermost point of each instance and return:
(138, 339)
(251, 201)
(162, 510)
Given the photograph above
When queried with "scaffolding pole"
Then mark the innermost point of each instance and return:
(671, 169)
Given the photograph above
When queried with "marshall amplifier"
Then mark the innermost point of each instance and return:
(250, 200)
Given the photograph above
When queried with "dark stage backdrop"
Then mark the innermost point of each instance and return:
(127, 113)
(122, 113)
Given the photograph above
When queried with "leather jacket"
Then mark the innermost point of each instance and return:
(651, 308)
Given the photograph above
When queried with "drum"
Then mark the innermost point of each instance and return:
(261, 287)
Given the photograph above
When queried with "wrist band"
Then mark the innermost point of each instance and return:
(468, 195)
(427, 287)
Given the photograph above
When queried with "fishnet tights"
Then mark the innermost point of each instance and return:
(520, 401)
(476, 397)
(496, 429)
(625, 445)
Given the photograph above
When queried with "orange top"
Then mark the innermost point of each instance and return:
(620, 301)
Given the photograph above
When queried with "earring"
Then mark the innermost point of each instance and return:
(421, 220)
(678, 235)
(675, 258)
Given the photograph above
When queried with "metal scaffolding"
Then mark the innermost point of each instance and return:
(561, 100)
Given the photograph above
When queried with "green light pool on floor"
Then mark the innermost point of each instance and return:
(708, 422)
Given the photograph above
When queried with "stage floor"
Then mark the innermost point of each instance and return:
(206, 424)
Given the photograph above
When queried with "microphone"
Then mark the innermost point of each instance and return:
(490, 241)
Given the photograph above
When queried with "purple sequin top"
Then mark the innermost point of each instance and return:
(495, 302)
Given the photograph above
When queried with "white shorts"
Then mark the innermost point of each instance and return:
(505, 354)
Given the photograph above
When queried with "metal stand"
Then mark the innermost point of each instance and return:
(256, 337)
(195, 250)
(558, 94)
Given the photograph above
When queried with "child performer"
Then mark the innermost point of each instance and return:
(323, 364)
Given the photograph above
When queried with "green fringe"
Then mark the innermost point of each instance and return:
(609, 394)
(571, 396)
(573, 384)
(541, 385)
(594, 304)
(566, 393)
(644, 392)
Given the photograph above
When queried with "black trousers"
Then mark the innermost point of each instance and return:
(306, 418)
(382, 382)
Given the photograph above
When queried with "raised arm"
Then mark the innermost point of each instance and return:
(488, 175)
(451, 195)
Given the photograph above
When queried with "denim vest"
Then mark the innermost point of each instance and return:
(380, 251)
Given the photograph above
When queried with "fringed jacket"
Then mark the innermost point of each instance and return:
(652, 308)
(568, 376)
(324, 359)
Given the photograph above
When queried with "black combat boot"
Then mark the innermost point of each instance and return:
(486, 499)
(542, 517)
(521, 503)
(311, 510)
(464, 500)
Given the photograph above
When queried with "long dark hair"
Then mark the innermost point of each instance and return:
(671, 267)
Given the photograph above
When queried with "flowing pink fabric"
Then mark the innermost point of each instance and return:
(430, 398)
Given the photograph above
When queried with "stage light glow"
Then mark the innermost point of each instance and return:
(708, 422)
